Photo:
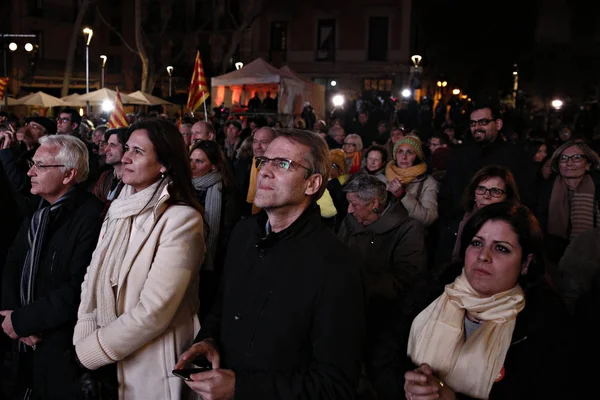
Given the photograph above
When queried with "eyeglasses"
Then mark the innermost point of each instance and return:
(577, 158)
(36, 127)
(282, 164)
(63, 120)
(494, 192)
(349, 144)
(43, 167)
(480, 122)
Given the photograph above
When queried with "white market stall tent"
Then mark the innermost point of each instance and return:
(235, 89)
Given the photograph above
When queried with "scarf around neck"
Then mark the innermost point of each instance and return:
(98, 303)
(353, 161)
(437, 336)
(580, 215)
(212, 184)
(404, 175)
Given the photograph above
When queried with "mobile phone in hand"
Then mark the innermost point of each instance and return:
(185, 373)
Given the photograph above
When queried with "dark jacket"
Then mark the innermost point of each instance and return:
(539, 361)
(290, 316)
(65, 256)
(15, 162)
(242, 170)
(470, 158)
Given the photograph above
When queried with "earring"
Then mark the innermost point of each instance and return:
(162, 174)
(376, 210)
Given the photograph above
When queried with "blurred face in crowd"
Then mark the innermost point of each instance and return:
(541, 153)
(363, 118)
(186, 133)
(338, 135)
(200, 164)
(547, 168)
(405, 156)
(335, 171)
(573, 163)
(484, 127)
(36, 130)
(200, 131)
(65, 124)
(232, 132)
(489, 191)
(262, 138)
(350, 146)
(451, 132)
(97, 137)
(362, 210)
(114, 150)
(396, 134)
(374, 160)
(493, 259)
(49, 178)
(435, 143)
(140, 162)
(382, 128)
(565, 134)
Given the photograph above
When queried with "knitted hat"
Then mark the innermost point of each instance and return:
(414, 143)
(338, 157)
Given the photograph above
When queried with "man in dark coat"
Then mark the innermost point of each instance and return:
(45, 268)
(289, 321)
(488, 148)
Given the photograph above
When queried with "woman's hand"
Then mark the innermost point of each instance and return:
(396, 188)
(422, 384)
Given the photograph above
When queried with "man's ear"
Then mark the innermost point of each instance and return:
(76, 125)
(70, 176)
(314, 184)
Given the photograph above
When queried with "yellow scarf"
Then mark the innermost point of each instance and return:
(252, 188)
(404, 175)
(437, 336)
(326, 205)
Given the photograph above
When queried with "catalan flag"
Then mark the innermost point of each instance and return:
(3, 83)
(198, 89)
(118, 119)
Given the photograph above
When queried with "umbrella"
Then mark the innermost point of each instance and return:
(41, 99)
(73, 100)
(101, 95)
(11, 101)
(148, 98)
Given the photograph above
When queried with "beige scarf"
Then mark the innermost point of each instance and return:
(404, 175)
(580, 214)
(98, 304)
(437, 336)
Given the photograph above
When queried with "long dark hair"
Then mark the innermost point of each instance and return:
(171, 152)
(217, 158)
(491, 171)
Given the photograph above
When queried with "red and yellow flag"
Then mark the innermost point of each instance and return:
(118, 119)
(198, 89)
(3, 83)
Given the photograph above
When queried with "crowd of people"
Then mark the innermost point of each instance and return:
(324, 260)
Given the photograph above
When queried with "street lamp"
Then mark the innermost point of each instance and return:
(104, 58)
(406, 93)
(456, 92)
(12, 46)
(416, 59)
(557, 104)
(170, 72)
(89, 33)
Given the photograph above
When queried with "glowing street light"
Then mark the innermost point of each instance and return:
(333, 83)
(107, 106)
(557, 104)
(416, 59)
(444, 84)
(170, 72)
(89, 33)
(28, 47)
(338, 100)
(239, 65)
(406, 93)
(515, 73)
(12, 46)
(104, 58)
(456, 92)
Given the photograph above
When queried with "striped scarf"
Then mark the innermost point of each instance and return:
(212, 185)
(579, 217)
(38, 227)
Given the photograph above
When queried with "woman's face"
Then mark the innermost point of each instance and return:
(374, 160)
(361, 210)
(576, 164)
(541, 153)
(396, 134)
(200, 163)
(493, 187)
(350, 146)
(493, 259)
(547, 169)
(405, 156)
(140, 162)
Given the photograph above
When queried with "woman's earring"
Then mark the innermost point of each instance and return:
(162, 174)
(376, 210)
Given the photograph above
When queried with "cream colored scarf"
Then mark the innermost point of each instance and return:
(437, 336)
(98, 305)
(404, 175)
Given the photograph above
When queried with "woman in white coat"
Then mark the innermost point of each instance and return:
(139, 300)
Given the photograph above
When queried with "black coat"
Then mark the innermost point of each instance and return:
(242, 170)
(290, 318)
(539, 362)
(64, 259)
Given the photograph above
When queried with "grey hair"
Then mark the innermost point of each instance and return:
(358, 139)
(187, 125)
(590, 154)
(72, 153)
(368, 188)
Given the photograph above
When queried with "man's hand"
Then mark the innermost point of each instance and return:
(7, 139)
(7, 325)
(217, 384)
(204, 348)
(32, 340)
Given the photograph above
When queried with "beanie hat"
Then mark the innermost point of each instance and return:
(414, 143)
(338, 157)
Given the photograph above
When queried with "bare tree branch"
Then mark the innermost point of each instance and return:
(115, 31)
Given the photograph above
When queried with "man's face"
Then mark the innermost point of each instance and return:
(200, 132)
(232, 132)
(65, 124)
(339, 135)
(363, 118)
(114, 150)
(262, 138)
(47, 180)
(97, 137)
(382, 128)
(278, 188)
(435, 143)
(186, 133)
(484, 127)
(37, 131)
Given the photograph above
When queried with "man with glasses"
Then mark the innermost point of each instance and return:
(68, 122)
(290, 317)
(487, 148)
(41, 285)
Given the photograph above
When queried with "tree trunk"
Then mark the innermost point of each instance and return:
(83, 5)
(141, 47)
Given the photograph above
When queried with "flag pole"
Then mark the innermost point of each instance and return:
(205, 113)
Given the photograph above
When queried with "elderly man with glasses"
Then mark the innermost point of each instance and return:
(41, 283)
(290, 318)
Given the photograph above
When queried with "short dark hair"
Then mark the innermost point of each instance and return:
(122, 135)
(379, 148)
(486, 102)
(491, 171)
(523, 223)
(443, 137)
(75, 117)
